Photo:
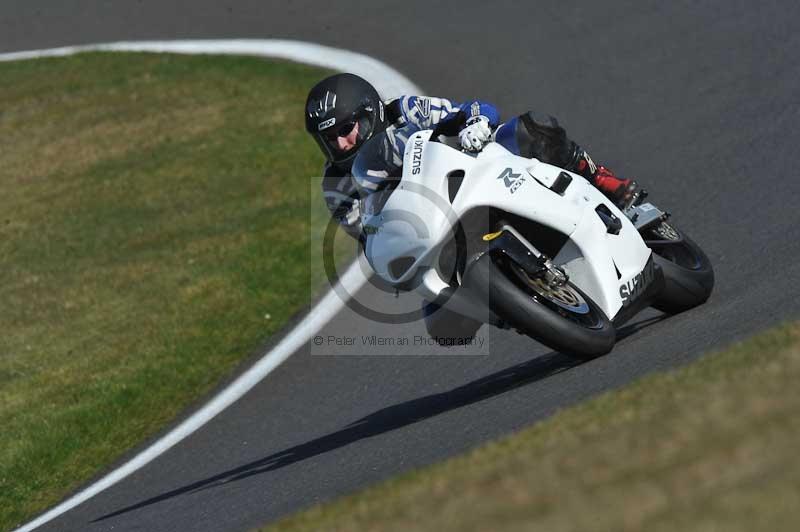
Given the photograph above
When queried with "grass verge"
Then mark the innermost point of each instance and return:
(710, 446)
(154, 230)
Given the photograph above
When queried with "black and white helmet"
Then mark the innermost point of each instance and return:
(338, 105)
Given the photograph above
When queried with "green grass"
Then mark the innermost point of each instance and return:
(155, 217)
(712, 446)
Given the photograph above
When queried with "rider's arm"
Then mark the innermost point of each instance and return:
(427, 112)
(481, 108)
(341, 198)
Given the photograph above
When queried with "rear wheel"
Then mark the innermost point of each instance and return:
(688, 275)
(561, 317)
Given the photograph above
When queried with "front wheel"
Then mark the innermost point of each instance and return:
(563, 317)
(448, 328)
(688, 275)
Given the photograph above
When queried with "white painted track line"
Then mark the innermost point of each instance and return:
(389, 83)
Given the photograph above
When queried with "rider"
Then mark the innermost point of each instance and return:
(343, 111)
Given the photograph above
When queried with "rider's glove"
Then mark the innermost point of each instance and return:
(349, 219)
(475, 134)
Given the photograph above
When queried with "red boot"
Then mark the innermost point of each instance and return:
(621, 191)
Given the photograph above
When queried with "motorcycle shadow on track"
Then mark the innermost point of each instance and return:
(392, 418)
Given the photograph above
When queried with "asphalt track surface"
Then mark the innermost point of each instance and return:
(699, 102)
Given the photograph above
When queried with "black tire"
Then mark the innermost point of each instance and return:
(587, 334)
(448, 328)
(688, 274)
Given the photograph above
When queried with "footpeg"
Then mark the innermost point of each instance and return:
(645, 215)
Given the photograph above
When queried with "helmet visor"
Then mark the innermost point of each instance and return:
(342, 140)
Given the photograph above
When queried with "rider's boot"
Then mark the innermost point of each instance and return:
(623, 192)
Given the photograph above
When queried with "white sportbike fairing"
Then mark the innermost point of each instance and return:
(499, 237)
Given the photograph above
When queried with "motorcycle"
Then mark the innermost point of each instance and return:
(517, 243)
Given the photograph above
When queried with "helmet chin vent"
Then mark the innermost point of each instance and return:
(400, 266)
